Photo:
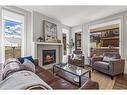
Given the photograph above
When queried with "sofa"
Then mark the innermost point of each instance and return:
(110, 63)
(58, 83)
(76, 58)
(30, 76)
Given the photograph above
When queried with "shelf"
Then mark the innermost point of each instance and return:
(106, 38)
(104, 30)
(108, 48)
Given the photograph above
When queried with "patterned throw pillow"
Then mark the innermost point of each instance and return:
(11, 60)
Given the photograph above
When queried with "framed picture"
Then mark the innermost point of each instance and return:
(50, 31)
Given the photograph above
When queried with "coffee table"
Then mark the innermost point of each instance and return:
(72, 73)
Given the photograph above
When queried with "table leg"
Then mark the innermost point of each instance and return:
(79, 81)
(89, 74)
(53, 69)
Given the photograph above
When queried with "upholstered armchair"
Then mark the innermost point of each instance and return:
(76, 58)
(110, 63)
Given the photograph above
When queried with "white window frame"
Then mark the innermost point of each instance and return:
(6, 15)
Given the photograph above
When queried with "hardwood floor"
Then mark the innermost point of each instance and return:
(104, 81)
(121, 82)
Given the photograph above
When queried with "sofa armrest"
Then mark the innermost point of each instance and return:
(36, 62)
(98, 58)
(90, 85)
(117, 66)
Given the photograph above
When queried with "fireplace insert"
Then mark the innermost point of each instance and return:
(49, 56)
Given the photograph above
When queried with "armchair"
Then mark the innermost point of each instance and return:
(110, 63)
(77, 58)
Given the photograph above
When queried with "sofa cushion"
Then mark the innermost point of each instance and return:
(101, 64)
(27, 63)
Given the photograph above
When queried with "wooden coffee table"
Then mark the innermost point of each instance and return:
(72, 73)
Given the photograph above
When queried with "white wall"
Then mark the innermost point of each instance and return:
(38, 25)
(38, 28)
(0, 34)
(123, 17)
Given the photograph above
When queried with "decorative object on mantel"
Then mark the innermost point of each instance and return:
(58, 41)
(110, 46)
(40, 39)
(50, 31)
(51, 41)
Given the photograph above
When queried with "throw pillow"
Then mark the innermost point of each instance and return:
(27, 63)
(107, 59)
(78, 56)
(21, 59)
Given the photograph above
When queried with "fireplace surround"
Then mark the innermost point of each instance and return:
(49, 56)
(40, 46)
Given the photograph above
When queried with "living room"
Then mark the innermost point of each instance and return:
(64, 47)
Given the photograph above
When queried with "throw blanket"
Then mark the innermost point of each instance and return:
(18, 76)
(23, 80)
(11, 67)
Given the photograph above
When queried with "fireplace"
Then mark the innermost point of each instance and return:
(49, 56)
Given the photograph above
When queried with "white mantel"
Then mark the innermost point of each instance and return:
(45, 43)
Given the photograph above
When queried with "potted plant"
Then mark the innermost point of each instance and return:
(71, 45)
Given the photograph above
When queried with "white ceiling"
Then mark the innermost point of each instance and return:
(75, 15)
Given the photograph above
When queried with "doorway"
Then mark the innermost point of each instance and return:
(65, 36)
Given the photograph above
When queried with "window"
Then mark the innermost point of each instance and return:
(12, 33)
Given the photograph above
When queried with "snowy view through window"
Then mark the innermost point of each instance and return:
(13, 37)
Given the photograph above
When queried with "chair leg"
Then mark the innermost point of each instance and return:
(112, 77)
